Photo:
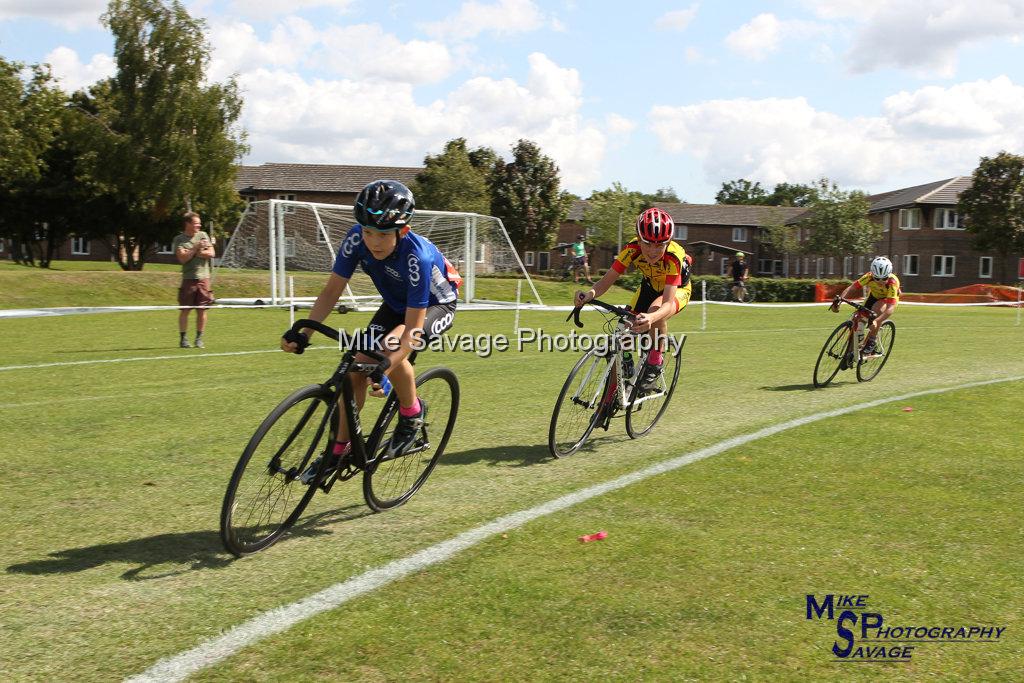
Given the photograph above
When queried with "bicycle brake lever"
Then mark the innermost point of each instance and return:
(575, 316)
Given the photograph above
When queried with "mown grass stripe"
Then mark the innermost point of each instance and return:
(180, 666)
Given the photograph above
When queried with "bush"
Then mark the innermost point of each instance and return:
(771, 289)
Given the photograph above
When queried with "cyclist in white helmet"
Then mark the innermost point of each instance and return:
(883, 294)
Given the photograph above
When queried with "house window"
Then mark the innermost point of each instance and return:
(80, 246)
(287, 198)
(807, 265)
(947, 219)
(165, 249)
(910, 219)
(910, 264)
(289, 247)
(528, 258)
(860, 263)
(796, 267)
(681, 232)
(481, 252)
(739, 234)
(819, 264)
(847, 266)
(943, 266)
(831, 265)
(764, 265)
(778, 267)
(250, 204)
(1, 246)
(886, 221)
(985, 267)
(543, 260)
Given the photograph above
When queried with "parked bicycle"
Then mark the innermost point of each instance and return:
(268, 490)
(604, 382)
(843, 349)
(724, 291)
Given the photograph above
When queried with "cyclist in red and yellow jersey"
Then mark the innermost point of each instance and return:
(665, 288)
(883, 291)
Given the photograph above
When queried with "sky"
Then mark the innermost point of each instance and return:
(873, 94)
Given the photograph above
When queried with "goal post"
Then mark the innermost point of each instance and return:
(284, 237)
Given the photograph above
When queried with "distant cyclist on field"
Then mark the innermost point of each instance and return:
(664, 290)
(579, 259)
(883, 294)
(740, 271)
(419, 287)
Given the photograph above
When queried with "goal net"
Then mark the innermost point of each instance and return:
(289, 237)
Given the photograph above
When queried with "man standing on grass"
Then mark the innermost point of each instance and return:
(194, 249)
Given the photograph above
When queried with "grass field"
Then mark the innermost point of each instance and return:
(117, 470)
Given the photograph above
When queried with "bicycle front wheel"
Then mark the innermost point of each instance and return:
(578, 406)
(869, 367)
(750, 295)
(645, 409)
(830, 360)
(389, 481)
(264, 496)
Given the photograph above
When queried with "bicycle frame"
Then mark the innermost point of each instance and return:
(858, 326)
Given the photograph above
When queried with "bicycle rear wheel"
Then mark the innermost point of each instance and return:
(830, 359)
(578, 406)
(644, 412)
(751, 295)
(389, 481)
(264, 497)
(868, 368)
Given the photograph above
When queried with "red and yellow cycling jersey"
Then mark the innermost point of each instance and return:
(883, 290)
(670, 270)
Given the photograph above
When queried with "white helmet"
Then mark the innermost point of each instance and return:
(881, 267)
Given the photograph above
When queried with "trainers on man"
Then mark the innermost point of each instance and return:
(870, 349)
(406, 431)
(649, 380)
(184, 344)
(199, 343)
(309, 476)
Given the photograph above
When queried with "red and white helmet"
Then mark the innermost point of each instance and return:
(654, 226)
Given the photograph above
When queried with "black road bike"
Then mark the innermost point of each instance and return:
(289, 457)
(844, 348)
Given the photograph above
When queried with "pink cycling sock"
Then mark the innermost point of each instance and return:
(340, 447)
(654, 357)
(412, 411)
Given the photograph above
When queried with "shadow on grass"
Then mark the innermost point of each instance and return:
(790, 387)
(166, 555)
(522, 455)
(107, 348)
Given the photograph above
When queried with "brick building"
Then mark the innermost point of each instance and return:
(325, 183)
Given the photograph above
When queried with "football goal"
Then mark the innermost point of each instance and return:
(284, 237)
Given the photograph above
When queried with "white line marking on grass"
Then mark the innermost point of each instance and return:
(183, 356)
(178, 667)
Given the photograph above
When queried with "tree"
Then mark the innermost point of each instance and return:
(663, 194)
(791, 194)
(451, 182)
(741, 191)
(30, 119)
(528, 197)
(607, 208)
(838, 225)
(160, 140)
(992, 208)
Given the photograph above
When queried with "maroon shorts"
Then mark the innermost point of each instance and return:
(195, 293)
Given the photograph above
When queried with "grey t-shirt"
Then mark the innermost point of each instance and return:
(196, 268)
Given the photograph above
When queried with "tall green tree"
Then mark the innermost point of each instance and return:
(838, 223)
(741, 191)
(663, 194)
(451, 182)
(992, 208)
(608, 209)
(528, 197)
(161, 140)
(791, 194)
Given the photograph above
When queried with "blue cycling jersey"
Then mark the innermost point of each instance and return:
(415, 275)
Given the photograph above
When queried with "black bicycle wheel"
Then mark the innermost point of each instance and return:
(390, 481)
(719, 291)
(264, 496)
(830, 360)
(750, 295)
(868, 368)
(578, 406)
(644, 411)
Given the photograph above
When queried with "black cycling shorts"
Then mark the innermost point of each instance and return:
(439, 318)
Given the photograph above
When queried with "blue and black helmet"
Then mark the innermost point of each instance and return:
(384, 205)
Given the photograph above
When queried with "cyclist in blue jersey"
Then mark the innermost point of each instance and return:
(419, 287)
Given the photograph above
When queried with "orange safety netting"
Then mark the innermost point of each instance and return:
(971, 294)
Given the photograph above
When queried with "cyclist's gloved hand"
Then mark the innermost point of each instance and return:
(835, 305)
(293, 341)
(583, 297)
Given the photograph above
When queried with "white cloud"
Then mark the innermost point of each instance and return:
(473, 18)
(267, 9)
(693, 55)
(919, 136)
(677, 20)
(71, 14)
(290, 118)
(619, 125)
(362, 51)
(72, 74)
(764, 34)
(925, 36)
